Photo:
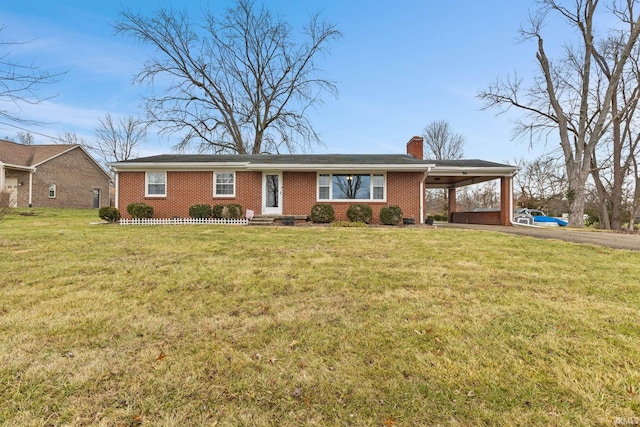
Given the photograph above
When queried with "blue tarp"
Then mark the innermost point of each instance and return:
(549, 219)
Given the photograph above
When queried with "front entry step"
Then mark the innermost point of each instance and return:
(261, 220)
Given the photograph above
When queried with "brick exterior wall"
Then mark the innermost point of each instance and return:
(487, 218)
(185, 189)
(75, 175)
(299, 193)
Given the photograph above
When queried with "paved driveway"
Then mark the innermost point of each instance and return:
(601, 238)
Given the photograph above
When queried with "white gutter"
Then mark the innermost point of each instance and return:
(177, 166)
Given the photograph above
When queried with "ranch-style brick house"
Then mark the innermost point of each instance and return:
(289, 185)
(53, 176)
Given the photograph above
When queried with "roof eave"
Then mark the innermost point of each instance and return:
(196, 166)
(19, 167)
(476, 171)
(178, 166)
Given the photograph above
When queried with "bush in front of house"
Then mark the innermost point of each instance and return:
(109, 214)
(232, 210)
(140, 210)
(322, 213)
(200, 211)
(391, 215)
(360, 213)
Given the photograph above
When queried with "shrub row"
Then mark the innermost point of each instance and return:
(323, 213)
(231, 210)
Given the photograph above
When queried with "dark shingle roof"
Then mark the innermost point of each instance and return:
(280, 159)
(309, 159)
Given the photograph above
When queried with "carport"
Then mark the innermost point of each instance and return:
(454, 174)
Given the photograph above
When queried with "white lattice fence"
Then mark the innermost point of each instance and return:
(182, 221)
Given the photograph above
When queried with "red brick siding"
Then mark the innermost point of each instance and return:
(185, 189)
(75, 176)
(299, 193)
(487, 218)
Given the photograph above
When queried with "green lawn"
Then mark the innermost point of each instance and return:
(290, 326)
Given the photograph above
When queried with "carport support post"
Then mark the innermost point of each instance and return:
(452, 203)
(505, 200)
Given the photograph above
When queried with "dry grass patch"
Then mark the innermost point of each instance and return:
(198, 325)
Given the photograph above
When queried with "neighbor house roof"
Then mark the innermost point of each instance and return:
(29, 157)
(12, 153)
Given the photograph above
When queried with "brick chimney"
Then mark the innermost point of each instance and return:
(415, 147)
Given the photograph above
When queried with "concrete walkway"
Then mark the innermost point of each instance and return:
(600, 238)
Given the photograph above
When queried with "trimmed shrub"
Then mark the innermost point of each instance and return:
(131, 207)
(216, 212)
(200, 211)
(232, 210)
(391, 215)
(109, 214)
(322, 213)
(140, 210)
(360, 213)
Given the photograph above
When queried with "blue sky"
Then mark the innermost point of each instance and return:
(399, 66)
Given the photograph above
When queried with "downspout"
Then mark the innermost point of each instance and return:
(117, 189)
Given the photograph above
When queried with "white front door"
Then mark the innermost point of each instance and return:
(11, 184)
(272, 193)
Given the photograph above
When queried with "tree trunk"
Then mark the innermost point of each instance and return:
(575, 195)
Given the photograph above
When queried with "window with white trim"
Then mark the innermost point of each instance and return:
(352, 186)
(52, 191)
(155, 184)
(224, 184)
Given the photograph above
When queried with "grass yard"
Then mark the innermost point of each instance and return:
(289, 326)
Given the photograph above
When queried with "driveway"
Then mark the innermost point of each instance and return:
(600, 238)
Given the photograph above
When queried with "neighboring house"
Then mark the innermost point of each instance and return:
(289, 185)
(55, 176)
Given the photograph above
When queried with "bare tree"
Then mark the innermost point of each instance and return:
(241, 83)
(20, 83)
(541, 184)
(25, 138)
(441, 142)
(118, 140)
(611, 174)
(71, 138)
(567, 97)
